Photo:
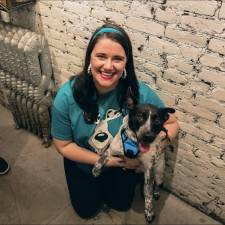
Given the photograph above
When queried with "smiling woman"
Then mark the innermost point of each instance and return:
(108, 61)
(88, 112)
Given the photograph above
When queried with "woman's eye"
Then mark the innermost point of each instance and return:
(118, 59)
(100, 56)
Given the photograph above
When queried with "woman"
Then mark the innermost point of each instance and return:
(96, 100)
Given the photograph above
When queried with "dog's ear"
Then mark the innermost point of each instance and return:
(169, 110)
(130, 97)
(164, 113)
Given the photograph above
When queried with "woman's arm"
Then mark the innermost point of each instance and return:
(74, 152)
(172, 126)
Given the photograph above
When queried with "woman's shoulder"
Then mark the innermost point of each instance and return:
(148, 95)
(67, 88)
(144, 88)
(65, 93)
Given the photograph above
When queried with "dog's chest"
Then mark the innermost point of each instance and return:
(146, 159)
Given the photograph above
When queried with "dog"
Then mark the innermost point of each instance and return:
(139, 137)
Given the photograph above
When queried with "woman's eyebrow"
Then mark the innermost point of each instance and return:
(114, 56)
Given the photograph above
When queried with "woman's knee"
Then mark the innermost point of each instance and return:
(86, 211)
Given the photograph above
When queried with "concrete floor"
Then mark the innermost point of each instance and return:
(34, 191)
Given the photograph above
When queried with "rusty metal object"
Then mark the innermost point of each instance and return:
(26, 78)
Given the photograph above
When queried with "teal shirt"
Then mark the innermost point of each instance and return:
(68, 122)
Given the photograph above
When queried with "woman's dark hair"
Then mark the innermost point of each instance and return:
(84, 90)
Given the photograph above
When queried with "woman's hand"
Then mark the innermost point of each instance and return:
(115, 162)
(124, 162)
(131, 163)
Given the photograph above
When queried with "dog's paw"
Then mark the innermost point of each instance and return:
(96, 172)
(149, 216)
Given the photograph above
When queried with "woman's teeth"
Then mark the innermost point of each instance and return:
(107, 74)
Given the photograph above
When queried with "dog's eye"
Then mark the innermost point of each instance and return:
(155, 119)
(144, 115)
(140, 117)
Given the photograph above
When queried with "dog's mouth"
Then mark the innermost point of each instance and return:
(144, 147)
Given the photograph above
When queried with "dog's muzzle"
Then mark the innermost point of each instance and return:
(147, 137)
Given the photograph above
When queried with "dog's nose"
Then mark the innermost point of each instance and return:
(149, 137)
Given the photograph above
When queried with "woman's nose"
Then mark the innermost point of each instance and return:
(108, 64)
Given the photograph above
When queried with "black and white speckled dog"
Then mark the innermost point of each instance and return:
(142, 126)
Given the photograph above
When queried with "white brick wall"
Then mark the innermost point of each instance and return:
(179, 50)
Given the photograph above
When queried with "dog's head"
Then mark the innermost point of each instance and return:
(147, 121)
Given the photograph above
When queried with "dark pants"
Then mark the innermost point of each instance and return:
(114, 187)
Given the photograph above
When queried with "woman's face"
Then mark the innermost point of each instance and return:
(108, 60)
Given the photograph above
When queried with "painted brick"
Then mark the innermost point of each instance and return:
(222, 11)
(78, 8)
(173, 88)
(179, 64)
(184, 117)
(213, 60)
(168, 15)
(213, 77)
(185, 37)
(52, 23)
(138, 39)
(118, 6)
(66, 74)
(203, 148)
(147, 78)
(141, 10)
(200, 7)
(151, 56)
(198, 87)
(209, 103)
(203, 25)
(146, 26)
(168, 99)
(175, 75)
(220, 142)
(218, 94)
(211, 128)
(190, 53)
(45, 10)
(59, 44)
(163, 46)
(192, 130)
(104, 14)
(196, 110)
(152, 69)
(217, 45)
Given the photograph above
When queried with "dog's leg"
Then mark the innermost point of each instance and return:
(148, 191)
(158, 166)
(159, 174)
(104, 158)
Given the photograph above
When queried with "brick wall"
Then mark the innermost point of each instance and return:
(179, 49)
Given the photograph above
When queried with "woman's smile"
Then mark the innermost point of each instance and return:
(107, 75)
